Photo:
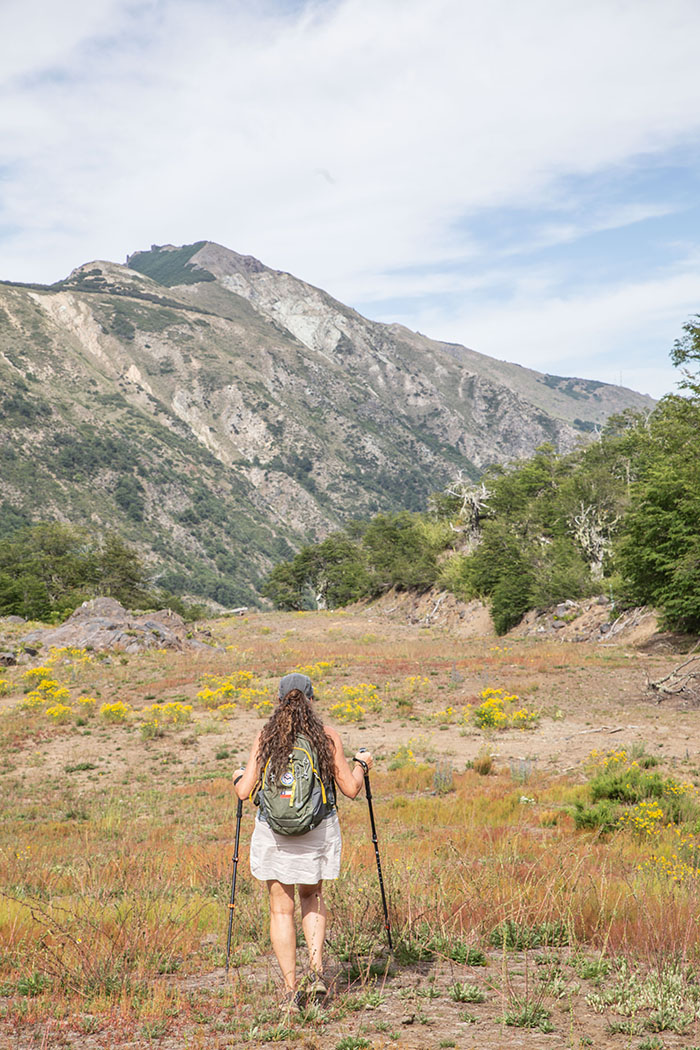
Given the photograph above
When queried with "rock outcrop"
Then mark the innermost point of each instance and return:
(104, 624)
(589, 620)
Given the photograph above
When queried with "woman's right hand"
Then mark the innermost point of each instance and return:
(244, 780)
(366, 757)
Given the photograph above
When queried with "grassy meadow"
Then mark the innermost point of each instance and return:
(538, 819)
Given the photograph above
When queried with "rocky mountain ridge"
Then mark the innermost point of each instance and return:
(219, 413)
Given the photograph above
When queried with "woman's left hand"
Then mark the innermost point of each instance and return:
(237, 774)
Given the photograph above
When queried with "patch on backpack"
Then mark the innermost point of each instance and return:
(286, 783)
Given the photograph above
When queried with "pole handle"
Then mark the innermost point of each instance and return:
(360, 762)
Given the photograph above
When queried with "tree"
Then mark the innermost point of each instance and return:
(592, 529)
(285, 585)
(337, 571)
(47, 570)
(398, 553)
(464, 505)
(686, 350)
(121, 572)
(659, 547)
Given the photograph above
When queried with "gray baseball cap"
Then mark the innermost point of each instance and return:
(295, 681)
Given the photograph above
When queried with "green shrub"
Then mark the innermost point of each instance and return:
(602, 816)
(629, 785)
(466, 993)
(171, 266)
(523, 1013)
(512, 934)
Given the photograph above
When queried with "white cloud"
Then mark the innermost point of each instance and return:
(581, 334)
(473, 276)
(418, 113)
(608, 219)
(342, 141)
(38, 36)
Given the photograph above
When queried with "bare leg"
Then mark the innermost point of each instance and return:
(313, 922)
(282, 932)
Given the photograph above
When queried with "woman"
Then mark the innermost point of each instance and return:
(304, 860)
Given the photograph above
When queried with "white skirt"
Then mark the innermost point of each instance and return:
(294, 859)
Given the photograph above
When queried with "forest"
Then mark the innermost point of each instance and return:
(618, 516)
(48, 570)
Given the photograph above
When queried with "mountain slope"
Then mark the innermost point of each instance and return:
(219, 413)
(322, 322)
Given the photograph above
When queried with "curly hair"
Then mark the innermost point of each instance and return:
(292, 716)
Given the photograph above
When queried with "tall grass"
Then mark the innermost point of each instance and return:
(98, 905)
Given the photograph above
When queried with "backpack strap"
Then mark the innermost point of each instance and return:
(257, 789)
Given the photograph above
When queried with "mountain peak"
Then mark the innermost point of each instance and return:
(215, 257)
(192, 263)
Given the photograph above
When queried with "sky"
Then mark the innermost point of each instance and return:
(522, 178)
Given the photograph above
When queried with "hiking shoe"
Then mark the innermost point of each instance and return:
(292, 1001)
(317, 987)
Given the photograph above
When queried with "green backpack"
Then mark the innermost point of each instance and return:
(298, 800)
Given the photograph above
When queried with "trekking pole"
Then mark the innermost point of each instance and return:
(232, 903)
(368, 793)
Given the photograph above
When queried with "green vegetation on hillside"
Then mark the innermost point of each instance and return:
(130, 473)
(171, 266)
(621, 515)
(47, 570)
(364, 559)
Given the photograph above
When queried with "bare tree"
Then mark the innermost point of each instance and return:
(320, 595)
(592, 529)
(472, 503)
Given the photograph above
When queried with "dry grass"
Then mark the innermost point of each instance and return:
(115, 876)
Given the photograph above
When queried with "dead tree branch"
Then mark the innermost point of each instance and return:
(592, 529)
(680, 678)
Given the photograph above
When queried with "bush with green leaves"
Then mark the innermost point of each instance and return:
(602, 816)
(659, 547)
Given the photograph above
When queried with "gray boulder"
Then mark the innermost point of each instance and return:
(104, 624)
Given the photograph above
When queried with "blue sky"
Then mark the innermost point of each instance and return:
(520, 178)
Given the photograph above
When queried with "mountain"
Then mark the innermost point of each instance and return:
(219, 413)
